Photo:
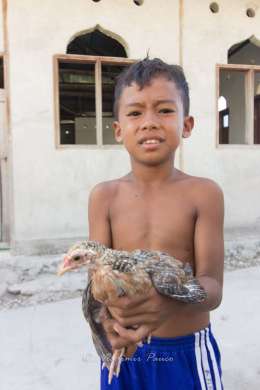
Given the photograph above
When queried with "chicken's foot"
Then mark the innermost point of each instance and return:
(115, 363)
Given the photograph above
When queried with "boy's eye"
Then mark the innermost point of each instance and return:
(166, 110)
(134, 113)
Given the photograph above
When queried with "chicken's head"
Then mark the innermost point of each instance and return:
(81, 254)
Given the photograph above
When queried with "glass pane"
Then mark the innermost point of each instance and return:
(77, 103)
(109, 74)
(232, 103)
(257, 109)
(1, 72)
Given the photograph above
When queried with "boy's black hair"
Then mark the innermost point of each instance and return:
(144, 71)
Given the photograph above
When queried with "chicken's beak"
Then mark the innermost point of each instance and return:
(66, 266)
(62, 270)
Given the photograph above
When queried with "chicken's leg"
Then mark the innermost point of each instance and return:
(115, 363)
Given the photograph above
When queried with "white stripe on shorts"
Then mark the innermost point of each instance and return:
(205, 362)
(198, 360)
(214, 362)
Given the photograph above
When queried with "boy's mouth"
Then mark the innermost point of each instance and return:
(150, 141)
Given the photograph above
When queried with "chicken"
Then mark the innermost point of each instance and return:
(114, 273)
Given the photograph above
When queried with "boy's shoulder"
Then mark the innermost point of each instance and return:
(107, 188)
(201, 183)
(201, 188)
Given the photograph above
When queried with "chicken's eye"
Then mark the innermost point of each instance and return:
(77, 257)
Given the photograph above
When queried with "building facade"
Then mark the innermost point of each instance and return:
(58, 63)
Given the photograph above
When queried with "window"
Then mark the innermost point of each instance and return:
(84, 90)
(239, 95)
(85, 99)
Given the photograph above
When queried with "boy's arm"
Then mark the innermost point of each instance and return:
(98, 215)
(100, 230)
(209, 245)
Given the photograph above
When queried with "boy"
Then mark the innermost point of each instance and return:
(158, 207)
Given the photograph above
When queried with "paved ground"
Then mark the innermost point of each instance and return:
(236, 325)
(48, 347)
(30, 280)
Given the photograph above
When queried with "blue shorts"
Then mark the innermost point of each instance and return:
(182, 363)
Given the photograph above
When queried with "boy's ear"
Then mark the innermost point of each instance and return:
(187, 126)
(117, 131)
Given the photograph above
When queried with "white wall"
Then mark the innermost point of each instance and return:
(51, 186)
(206, 40)
(1, 27)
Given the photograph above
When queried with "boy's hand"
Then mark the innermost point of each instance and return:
(116, 341)
(145, 313)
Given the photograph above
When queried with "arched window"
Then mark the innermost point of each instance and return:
(96, 43)
(87, 76)
(245, 52)
(239, 84)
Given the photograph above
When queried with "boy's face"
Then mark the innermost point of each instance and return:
(151, 121)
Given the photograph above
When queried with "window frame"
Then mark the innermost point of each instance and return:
(84, 59)
(249, 106)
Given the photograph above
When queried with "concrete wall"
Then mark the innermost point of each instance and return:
(51, 185)
(1, 27)
(206, 40)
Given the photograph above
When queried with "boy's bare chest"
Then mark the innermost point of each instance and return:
(164, 221)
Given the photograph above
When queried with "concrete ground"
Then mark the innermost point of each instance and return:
(48, 346)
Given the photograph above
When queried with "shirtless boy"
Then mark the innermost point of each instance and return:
(158, 207)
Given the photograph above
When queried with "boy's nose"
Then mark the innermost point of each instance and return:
(149, 126)
(150, 123)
